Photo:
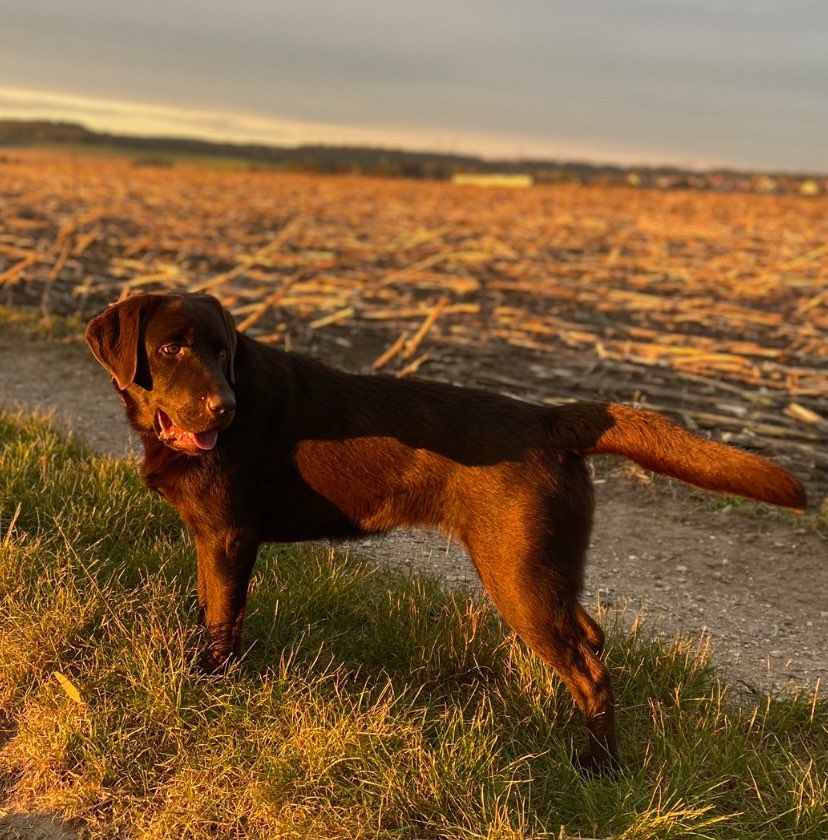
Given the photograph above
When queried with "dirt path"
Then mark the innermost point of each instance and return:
(756, 583)
(15, 826)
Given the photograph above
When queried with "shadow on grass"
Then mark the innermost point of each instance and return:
(367, 703)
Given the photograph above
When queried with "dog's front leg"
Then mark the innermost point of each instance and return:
(225, 562)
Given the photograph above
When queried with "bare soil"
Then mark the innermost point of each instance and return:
(14, 826)
(756, 582)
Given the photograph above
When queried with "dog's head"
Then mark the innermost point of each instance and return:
(172, 358)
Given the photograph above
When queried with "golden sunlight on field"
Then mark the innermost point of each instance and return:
(714, 306)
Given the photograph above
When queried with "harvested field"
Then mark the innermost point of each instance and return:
(712, 307)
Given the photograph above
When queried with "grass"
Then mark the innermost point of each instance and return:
(51, 327)
(368, 704)
(815, 519)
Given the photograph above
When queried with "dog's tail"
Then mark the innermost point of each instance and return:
(660, 445)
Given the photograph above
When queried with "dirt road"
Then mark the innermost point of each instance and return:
(757, 583)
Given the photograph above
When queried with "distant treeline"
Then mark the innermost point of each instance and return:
(368, 160)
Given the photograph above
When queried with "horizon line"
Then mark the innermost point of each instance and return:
(158, 120)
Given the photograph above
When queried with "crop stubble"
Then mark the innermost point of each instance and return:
(711, 306)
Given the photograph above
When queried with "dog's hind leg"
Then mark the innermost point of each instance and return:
(591, 629)
(534, 593)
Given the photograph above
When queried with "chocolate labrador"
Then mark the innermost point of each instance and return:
(251, 444)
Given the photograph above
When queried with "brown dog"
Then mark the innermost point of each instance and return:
(251, 444)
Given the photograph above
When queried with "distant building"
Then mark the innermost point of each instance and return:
(492, 179)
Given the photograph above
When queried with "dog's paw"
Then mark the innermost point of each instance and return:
(214, 661)
(597, 763)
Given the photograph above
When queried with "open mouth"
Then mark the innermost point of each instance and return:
(176, 437)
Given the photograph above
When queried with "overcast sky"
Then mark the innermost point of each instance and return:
(700, 82)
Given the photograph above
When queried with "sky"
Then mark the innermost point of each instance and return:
(694, 82)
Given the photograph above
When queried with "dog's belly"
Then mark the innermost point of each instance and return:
(295, 512)
(284, 532)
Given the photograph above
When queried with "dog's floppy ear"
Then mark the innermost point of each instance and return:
(232, 338)
(114, 334)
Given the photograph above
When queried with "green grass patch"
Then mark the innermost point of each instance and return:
(815, 519)
(31, 321)
(367, 704)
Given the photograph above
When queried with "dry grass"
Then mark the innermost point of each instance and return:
(368, 704)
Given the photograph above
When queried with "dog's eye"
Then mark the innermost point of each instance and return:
(223, 353)
(171, 349)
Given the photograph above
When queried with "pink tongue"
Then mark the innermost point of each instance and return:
(206, 440)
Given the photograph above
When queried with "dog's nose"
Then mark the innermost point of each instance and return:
(221, 404)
